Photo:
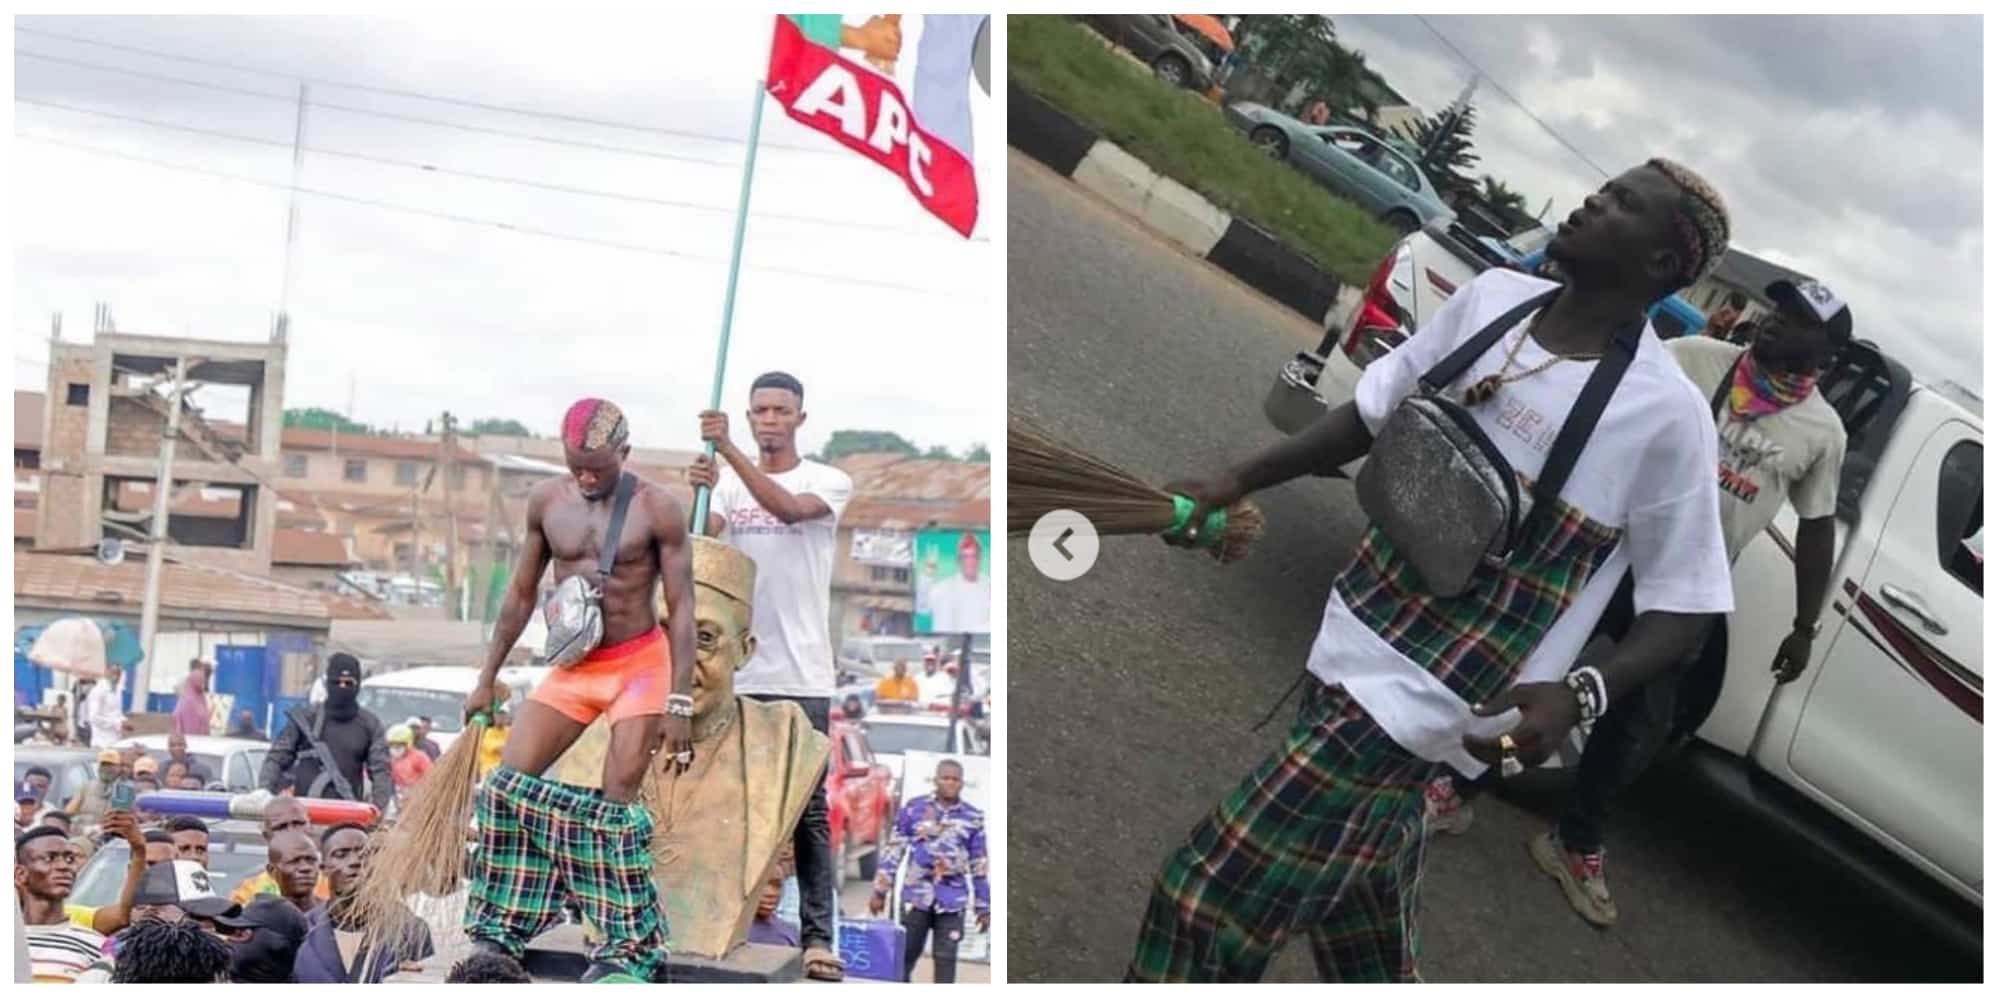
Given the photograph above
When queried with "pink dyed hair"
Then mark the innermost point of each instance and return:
(592, 423)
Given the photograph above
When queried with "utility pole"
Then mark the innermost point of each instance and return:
(156, 542)
(448, 445)
(489, 557)
(284, 322)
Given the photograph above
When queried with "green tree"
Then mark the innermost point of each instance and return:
(496, 425)
(318, 419)
(1445, 140)
(979, 454)
(1303, 49)
(850, 442)
(941, 452)
(1495, 192)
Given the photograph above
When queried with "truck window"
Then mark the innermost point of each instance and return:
(1960, 518)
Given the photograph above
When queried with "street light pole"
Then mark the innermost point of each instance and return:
(156, 542)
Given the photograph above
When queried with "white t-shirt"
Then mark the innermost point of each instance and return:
(790, 609)
(1643, 487)
(1794, 453)
(961, 605)
(104, 714)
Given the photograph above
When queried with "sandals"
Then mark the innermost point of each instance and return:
(822, 965)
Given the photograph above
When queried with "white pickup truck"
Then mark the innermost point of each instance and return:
(1872, 756)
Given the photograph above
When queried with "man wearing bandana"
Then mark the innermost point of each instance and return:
(1780, 440)
(352, 734)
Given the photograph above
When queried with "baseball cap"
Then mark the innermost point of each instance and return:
(399, 733)
(110, 756)
(1818, 300)
(275, 913)
(145, 766)
(186, 884)
(26, 792)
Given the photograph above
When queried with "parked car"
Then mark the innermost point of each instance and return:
(226, 760)
(860, 798)
(439, 693)
(1380, 176)
(1872, 756)
(1154, 39)
(891, 734)
(72, 767)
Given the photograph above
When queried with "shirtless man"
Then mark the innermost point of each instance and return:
(639, 678)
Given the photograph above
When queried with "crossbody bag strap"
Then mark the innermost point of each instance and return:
(1582, 419)
(1462, 356)
(626, 484)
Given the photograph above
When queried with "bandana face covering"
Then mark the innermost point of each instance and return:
(1755, 392)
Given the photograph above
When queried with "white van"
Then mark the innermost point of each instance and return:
(439, 693)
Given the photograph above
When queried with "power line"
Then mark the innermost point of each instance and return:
(475, 221)
(473, 175)
(1546, 127)
(419, 95)
(369, 112)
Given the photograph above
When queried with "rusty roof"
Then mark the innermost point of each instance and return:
(896, 477)
(906, 515)
(292, 547)
(185, 589)
(368, 445)
(27, 420)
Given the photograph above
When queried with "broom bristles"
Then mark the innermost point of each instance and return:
(423, 852)
(1045, 474)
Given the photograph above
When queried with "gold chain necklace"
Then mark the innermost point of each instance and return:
(1484, 389)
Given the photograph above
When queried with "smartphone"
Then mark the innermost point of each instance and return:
(123, 795)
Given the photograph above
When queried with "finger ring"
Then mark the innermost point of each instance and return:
(1510, 766)
(1506, 745)
(684, 756)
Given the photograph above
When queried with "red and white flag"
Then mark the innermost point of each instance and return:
(866, 112)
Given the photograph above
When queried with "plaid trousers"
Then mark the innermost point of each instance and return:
(1325, 837)
(540, 841)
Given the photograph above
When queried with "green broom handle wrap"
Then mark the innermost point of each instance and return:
(1212, 526)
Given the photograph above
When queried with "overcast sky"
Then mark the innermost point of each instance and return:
(1847, 148)
(420, 314)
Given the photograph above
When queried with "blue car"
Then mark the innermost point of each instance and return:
(1380, 176)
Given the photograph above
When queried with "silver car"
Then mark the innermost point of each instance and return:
(1374, 174)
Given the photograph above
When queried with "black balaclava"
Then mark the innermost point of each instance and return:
(341, 705)
(273, 946)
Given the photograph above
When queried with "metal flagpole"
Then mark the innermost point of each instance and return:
(729, 297)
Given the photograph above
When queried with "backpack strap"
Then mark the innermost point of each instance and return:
(627, 482)
(1462, 357)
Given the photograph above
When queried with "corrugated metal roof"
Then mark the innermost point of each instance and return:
(185, 589)
(895, 477)
(291, 547)
(303, 439)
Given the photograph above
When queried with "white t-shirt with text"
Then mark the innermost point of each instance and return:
(1792, 454)
(791, 607)
(1647, 476)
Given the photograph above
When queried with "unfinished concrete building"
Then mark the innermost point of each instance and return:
(108, 408)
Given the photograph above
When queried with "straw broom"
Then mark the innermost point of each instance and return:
(1045, 474)
(422, 853)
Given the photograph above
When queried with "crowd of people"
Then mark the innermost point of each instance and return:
(292, 923)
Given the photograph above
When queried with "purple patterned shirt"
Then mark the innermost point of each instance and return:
(946, 847)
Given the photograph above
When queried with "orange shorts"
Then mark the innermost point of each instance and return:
(626, 681)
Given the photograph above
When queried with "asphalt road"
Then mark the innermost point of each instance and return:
(1134, 688)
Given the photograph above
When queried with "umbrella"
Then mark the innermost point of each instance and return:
(1209, 27)
(71, 646)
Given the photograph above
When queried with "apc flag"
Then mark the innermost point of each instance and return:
(925, 138)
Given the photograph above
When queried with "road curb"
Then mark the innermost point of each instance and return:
(1174, 211)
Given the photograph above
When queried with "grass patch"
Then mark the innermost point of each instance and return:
(1184, 137)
